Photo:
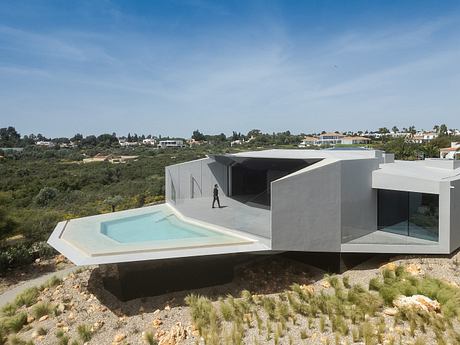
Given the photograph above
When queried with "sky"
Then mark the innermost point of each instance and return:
(168, 67)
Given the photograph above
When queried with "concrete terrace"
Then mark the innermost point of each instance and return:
(233, 214)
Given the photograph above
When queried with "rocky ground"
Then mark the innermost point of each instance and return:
(38, 268)
(84, 312)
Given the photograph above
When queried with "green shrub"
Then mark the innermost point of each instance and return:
(46, 195)
(16, 322)
(42, 308)
(27, 297)
(52, 282)
(9, 309)
(150, 339)
(84, 332)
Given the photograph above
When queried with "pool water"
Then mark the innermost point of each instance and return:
(156, 226)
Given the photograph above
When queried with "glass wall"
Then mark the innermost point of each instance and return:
(410, 214)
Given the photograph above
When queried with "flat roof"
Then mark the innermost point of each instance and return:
(430, 169)
(310, 154)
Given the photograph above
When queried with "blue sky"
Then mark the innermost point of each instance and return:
(169, 67)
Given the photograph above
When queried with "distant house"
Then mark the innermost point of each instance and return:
(45, 143)
(355, 140)
(125, 143)
(171, 143)
(424, 137)
(308, 141)
(330, 138)
(150, 142)
(193, 142)
(237, 142)
(452, 152)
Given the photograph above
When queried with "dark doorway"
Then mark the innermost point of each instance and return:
(251, 177)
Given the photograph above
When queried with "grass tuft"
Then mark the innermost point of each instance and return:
(84, 332)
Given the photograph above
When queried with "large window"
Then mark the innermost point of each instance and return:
(410, 214)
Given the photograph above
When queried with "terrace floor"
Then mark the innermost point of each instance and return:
(233, 214)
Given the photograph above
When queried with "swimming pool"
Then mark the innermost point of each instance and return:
(152, 229)
(155, 226)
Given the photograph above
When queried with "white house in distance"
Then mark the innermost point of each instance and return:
(332, 139)
(423, 137)
(171, 143)
(149, 142)
(452, 152)
(125, 143)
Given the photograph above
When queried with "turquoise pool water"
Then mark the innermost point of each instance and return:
(156, 226)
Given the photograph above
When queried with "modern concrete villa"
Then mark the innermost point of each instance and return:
(334, 201)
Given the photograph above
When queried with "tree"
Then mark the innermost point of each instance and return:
(114, 201)
(90, 140)
(395, 129)
(77, 138)
(198, 136)
(107, 140)
(9, 137)
(383, 130)
(254, 133)
(436, 128)
(443, 130)
(46, 195)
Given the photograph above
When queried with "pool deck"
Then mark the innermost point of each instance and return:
(233, 215)
(82, 242)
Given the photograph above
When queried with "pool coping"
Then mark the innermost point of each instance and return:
(80, 256)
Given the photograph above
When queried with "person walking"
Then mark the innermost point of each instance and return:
(215, 194)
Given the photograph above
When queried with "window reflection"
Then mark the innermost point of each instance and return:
(408, 213)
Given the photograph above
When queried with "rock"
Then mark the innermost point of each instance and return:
(156, 311)
(37, 261)
(325, 284)
(390, 311)
(71, 316)
(60, 324)
(119, 338)
(59, 259)
(413, 269)
(141, 309)
(60, 308)
(391, 266)
(43, 318)
(419, 302)
(175, 335)
(308, 288)
(157, 323)
(30, 319)
(160, 333)
(167, 307)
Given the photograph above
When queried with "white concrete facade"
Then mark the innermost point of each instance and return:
(331, 205)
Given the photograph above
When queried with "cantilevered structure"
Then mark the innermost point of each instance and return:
(335, 201)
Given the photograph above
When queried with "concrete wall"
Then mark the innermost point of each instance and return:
(194, 179)
(306, 209)
(358, 199)
(383, 180)
(321, 206)
(454, 215)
